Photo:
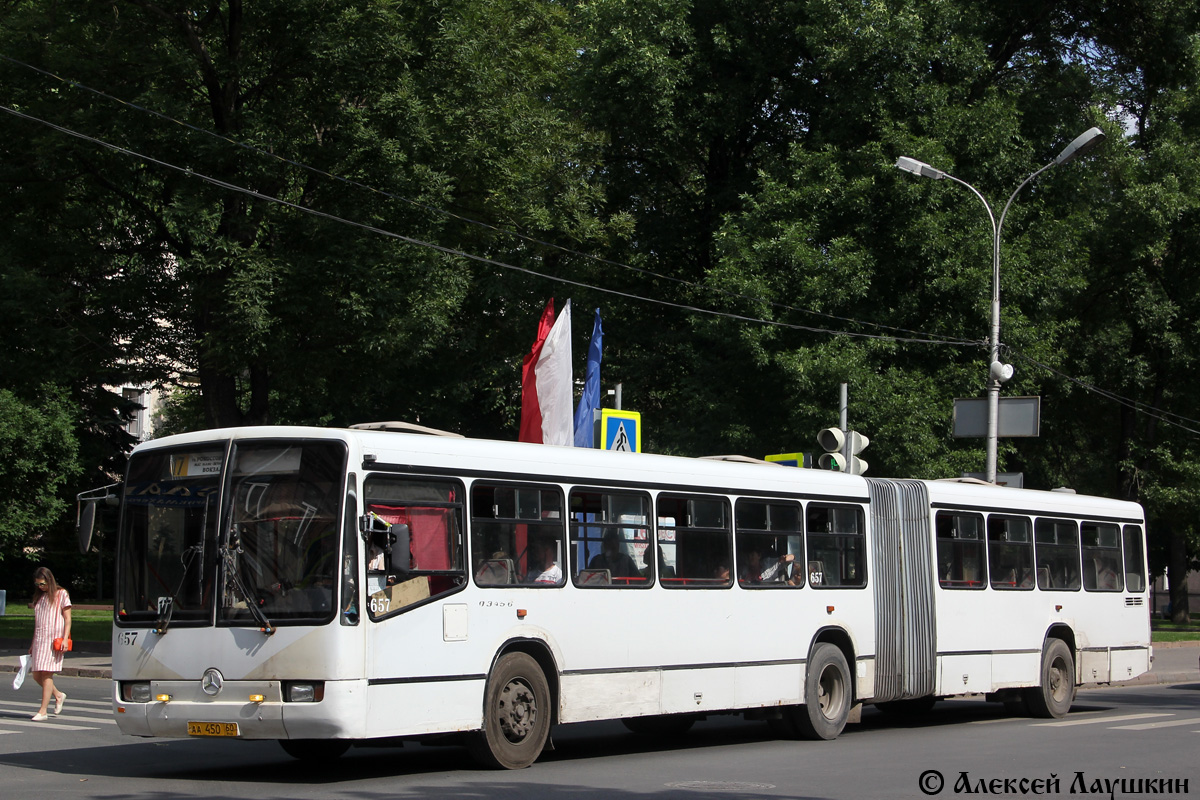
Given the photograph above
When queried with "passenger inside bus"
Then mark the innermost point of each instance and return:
(543, 562)
(618, 563)
(664, 569)
(758, 569)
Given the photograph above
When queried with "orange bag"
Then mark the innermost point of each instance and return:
(61, 645)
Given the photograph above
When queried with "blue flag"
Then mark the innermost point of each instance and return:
(590, 400)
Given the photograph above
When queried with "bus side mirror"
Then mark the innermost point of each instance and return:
(84, 525)
(85, 512)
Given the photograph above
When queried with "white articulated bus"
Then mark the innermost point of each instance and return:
(326, 587)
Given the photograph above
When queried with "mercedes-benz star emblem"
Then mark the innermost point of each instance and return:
(211, 682)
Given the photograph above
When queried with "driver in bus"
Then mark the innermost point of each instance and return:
(619, 564)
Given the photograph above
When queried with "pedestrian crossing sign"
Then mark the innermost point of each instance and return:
(621, 430)
(791, 459)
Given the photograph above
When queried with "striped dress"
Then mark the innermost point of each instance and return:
(48, 625)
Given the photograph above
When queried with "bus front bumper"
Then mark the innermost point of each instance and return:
(244, 710)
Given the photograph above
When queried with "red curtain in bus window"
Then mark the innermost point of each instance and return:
(430, 537)
(429, 534)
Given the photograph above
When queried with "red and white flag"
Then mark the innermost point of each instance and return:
(546, 409)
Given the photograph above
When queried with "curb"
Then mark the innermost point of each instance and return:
(70, 672)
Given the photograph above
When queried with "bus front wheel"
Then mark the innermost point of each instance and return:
(827, 694)
(516, 715)
(1052, 697)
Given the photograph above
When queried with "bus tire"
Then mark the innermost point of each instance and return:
(315, 749)
(828, 694)
(516, 715)
(1052, 697)
(667, 725)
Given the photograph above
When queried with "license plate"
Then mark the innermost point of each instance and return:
(212, 729)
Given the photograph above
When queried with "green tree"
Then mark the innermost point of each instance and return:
(38, 456)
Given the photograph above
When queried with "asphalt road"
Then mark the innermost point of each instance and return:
(1144, 732)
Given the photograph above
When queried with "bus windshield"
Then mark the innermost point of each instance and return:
(273, 558)
(168, 535)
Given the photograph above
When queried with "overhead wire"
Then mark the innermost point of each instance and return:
(472, 256)
(915, 335)
(1164, 416)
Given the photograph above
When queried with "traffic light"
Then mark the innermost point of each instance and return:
(840, 457)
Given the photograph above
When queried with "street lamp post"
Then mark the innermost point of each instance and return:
(999, 372)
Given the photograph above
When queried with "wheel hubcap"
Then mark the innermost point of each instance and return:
(1058, 681)
(517, 710)
(831, 693)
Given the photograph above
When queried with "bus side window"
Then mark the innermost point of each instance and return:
(836, 540)
(610, 539)
(770, 544)
(1056, 550)
(516, 535)
(960, 550)
(1102, 570)
(1010, 552)
(696, 539)
(420, 556)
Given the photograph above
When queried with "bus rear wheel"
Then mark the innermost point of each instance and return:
(516, 715)
(1052, 698)
(827, 694)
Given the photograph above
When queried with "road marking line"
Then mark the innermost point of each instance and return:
(1095, 720)
(26, 708)
(97, 703)
(48, 725)
(1151, 725)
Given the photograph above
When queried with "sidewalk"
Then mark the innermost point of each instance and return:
(1174, 662)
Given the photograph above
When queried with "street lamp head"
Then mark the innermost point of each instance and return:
(919, 168)
(1083, 143)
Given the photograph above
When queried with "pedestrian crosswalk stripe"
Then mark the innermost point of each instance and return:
(1096, 720)
(1170, 723)
(28, 709)
(50, 724)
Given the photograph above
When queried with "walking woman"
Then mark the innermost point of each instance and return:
(51, 622)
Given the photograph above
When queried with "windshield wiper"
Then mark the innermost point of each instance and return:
(229, 553)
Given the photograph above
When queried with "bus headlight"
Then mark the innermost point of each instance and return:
(135, 692)
(304, 691)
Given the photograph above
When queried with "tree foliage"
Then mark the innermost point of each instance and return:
(39, 454)
(721, 155)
